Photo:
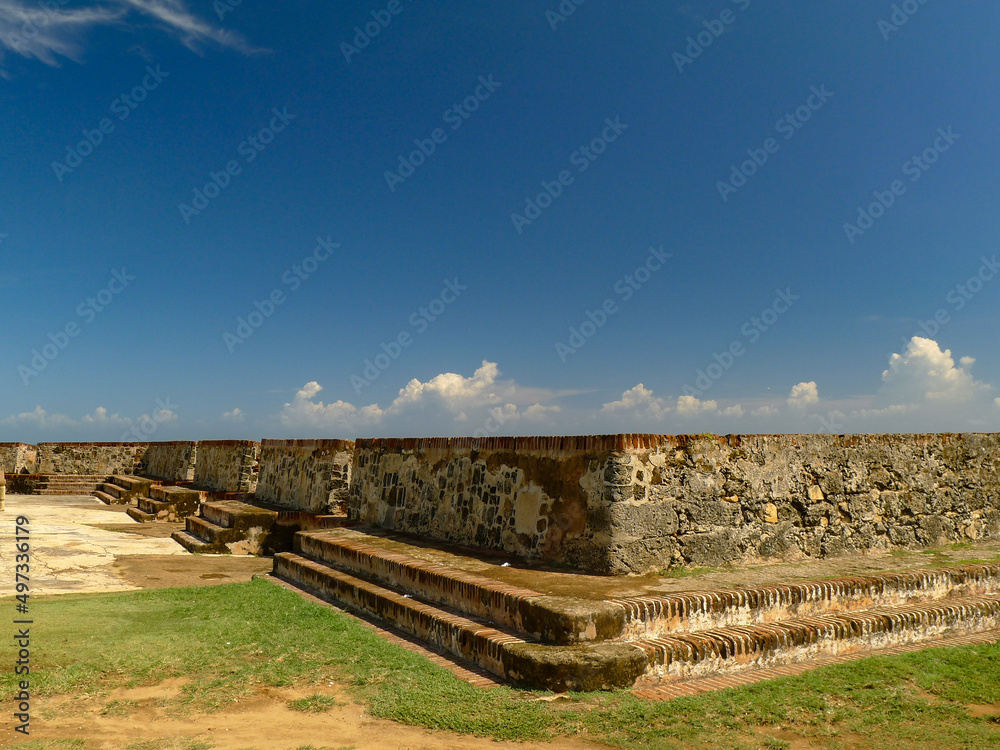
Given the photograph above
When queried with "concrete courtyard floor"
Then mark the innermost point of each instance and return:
(80, 545)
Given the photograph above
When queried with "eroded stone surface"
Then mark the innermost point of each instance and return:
(635, 503)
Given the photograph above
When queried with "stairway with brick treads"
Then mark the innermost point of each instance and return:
(566, 643)
(227, 527)
(123, 489)
(170, 503)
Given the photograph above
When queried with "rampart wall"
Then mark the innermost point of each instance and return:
(309, 475)
(90, 458)
(227, 465)
(634, 503)
(174, 460)
(18, 458)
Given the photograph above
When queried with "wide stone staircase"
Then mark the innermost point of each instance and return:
(66, 484)
(122, 489)
(228, 526)
(570, 643)
(166, 503)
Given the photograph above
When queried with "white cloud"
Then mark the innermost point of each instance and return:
(765, 411)
(924, 374)
(236, 415)
(640, 401)
(39, 418)
(692, 405)
(451, 391)
(101, 417)
(732, 411)
(302, 411)
(448, 403)
(47, 34)
(804, 395)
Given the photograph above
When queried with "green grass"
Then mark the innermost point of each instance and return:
(234, 639)
(315, 703)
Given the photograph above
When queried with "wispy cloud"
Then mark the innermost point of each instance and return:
(50, 32)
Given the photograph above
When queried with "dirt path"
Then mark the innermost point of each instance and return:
(265, 722)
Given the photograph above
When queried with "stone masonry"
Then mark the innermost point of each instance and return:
(174, 461)
(227, 465)
(18, 458)
(90, 458)
(309, 475)
(633, 503)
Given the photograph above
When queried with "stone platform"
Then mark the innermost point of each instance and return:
(562, 631)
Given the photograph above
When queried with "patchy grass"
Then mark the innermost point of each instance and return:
(232, 640)
(315, 703)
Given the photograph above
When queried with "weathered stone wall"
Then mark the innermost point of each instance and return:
(90, 458)
(309, 475)
(174, 460)
(227, 465)
(633, 503)
(711, 500)
(538, 498)
(18, 458)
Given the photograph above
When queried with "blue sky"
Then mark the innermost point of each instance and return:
(305, 219)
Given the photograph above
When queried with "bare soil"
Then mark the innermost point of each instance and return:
(263, 722)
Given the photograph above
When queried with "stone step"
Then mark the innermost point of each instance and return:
(386, 584)
(149, 505)
(171, 503)
(647, 616)
(69, 489)
(552, 619)
(558, 668)
(72, 478)
(138, 486)
(105, 497)
(191, 543)
(248, 529)
(138, 515)
(236, 515)
(114, 490)
(209, 532)
(699, 653)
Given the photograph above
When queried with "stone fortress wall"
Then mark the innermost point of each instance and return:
(622, 504)
(174, 461)
(90, 458)
(18, 458)
(308, 475)
(227, 465)
(612, 504)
